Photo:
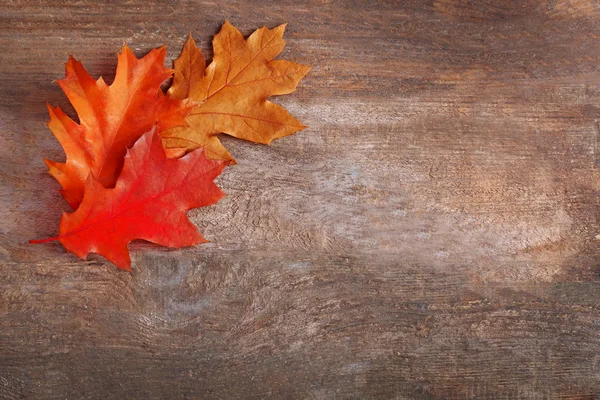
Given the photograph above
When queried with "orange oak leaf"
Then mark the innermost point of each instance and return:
(231, 92)
(149, 202)
(111, 118)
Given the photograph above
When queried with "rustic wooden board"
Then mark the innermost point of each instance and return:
(432, 235)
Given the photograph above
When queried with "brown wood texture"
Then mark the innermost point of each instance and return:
(431, 235)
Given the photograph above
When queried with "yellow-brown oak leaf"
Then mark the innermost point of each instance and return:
(231, 93)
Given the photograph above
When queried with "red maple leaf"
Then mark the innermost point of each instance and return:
(149, 202)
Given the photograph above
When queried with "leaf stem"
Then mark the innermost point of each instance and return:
(40, 241)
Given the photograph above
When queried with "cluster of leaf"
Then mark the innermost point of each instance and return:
(139, 159)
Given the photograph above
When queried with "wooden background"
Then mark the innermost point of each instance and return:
(431, 235)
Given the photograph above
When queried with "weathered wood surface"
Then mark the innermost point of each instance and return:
(432, 235)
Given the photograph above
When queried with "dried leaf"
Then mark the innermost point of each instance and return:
(232, 92)
(149, 202)
(111, 118)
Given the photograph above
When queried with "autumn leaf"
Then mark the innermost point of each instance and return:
(231, 93)
(149, 202)
(111, 118)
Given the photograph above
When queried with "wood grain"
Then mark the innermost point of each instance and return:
(432, 235)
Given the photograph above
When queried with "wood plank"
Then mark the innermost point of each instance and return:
(431, 235)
